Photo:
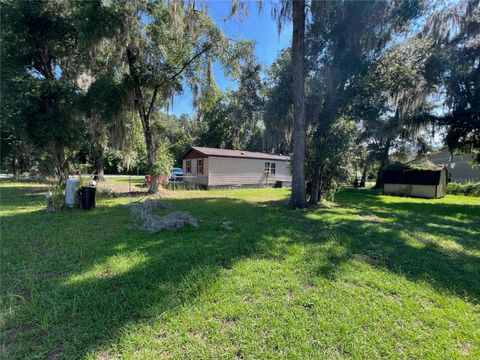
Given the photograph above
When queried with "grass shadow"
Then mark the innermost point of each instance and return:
(436, 243)
(75, 283)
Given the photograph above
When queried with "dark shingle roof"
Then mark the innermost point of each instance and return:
(237, 153)
(412, 176)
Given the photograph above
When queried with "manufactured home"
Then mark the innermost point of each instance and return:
(416, 181)
(460, 167)
(211, 167)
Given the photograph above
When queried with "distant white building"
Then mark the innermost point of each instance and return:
(211, 167)
(460, 167)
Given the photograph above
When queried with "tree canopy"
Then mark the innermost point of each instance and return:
(89, 85)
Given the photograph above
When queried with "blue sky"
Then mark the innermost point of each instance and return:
(260, 28)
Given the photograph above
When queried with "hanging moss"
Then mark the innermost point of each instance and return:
(426, 165)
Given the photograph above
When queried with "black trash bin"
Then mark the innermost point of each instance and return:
(88, 197)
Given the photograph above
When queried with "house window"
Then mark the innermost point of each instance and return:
(270, 168)
(200, 166)
(189, 166)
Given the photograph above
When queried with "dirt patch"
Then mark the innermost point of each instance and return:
(56, 352)
(290, 296)
(105, 355)
(239, 355)
(228, 321)
(161, 336)
(371, 259)
(465, 348)
(50, 274)
(197, 334)
(308, 287)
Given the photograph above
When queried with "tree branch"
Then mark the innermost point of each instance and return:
(177, 73)
(186, 64)
(152, 101)
(139, 102)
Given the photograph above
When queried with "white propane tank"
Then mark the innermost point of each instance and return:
(71, 188)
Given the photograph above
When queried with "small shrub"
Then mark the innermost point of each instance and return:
(163, 181)
(84, 180)
(58, 195)
(467, 189)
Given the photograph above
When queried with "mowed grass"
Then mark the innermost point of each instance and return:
(371, 277)
(133, 180)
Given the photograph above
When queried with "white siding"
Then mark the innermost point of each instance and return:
(238, 171)
(199, 178)
(424, 191)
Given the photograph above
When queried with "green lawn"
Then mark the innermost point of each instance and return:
(372, 277)
(125, 179)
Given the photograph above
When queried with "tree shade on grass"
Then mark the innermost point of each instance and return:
(371, 276)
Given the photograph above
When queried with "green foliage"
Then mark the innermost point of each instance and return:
(58, 195)
(113, 161)
(336, 155)
(426, 165)
(234, 120)
(84, 180)
(39, 95)
(467, 189)
(218, 127)
(455, 69)
(177, 133)
(392, 100)
(278, 111)
(246, 104)
(104, 98)
(345, 41)
(398, 80)
(164, 162)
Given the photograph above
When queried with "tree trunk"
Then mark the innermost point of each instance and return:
(321, 184)
(379, 181)
(98, 158)
(298, 199)
(61, 163)
(145, 118)
(383, 164)
(97, 134)
(14, 166)
(150, 145)
(314, 195)
(154, 185)
(363, 179)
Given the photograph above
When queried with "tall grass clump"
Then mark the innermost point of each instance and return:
(468, 189)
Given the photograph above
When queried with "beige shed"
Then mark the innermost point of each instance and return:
(416, 180)
(212, 167)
